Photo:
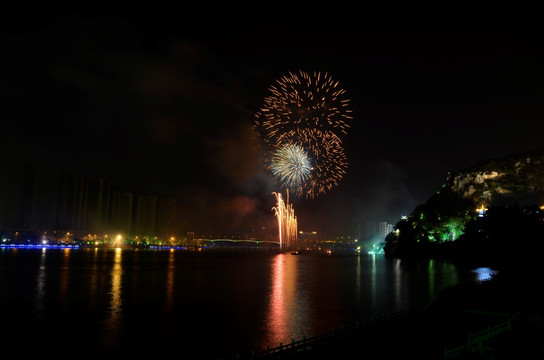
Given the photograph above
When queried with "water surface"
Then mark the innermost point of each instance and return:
(154, 302)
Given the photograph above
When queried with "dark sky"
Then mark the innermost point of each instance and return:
(154, 106)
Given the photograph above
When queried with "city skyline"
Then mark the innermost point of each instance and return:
(38, 200)
(43, 200)
(156, 107)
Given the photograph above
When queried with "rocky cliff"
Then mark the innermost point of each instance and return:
(512, 182)
(516, 178)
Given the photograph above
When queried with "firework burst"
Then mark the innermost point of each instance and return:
(291, 166)
(301, 124)
(303, 101)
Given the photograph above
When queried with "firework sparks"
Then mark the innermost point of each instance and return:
(291, 166)
(301, 124)
(287, 221)
(303, 101)
(311, 165)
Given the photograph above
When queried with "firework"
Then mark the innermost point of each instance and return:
(287, 221)
(329, 159)
(301, 124)
(303, 101)
(291, 166)
(311, 165)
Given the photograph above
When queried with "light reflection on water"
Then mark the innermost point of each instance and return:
(397, 282)
(235, 301)
(111, 329)
(282, 299)
(170, 282)
(484, 273)
(116, 302)
(41, 288)
(64, 288)
(116, 280)
(288, 303)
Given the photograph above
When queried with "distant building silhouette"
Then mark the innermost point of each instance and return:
(16, 196)
(166, 218)
(121, 212)
(40, 200)
(45, 200)
(373, 229)
(99, 206)
(72, 203)
(146, 216)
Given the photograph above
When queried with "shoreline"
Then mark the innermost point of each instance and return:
(448, 326)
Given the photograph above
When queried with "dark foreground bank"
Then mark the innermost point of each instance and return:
(497, 319)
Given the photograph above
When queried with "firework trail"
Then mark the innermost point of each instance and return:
(287, 221)
(301, 124)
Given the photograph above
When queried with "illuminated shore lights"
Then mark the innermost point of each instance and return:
(40, 246)
(287, 222)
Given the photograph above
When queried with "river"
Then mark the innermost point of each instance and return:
(113, 302)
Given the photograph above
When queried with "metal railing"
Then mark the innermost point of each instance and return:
(325, 337)
(477, 341)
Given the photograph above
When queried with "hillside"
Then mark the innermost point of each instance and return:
(513, 179)
(471, 199)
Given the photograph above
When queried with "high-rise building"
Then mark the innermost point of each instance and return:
(16, 188)
(98, 206)
(382, 228)
(39, 200)
(145, 220)
(45, 199)
(121, 212)
(72, 203)
(166, 218)
(373, 229)
(370, 229)
(385, 228)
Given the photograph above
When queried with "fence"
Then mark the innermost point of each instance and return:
(477, 341)
(284, 350)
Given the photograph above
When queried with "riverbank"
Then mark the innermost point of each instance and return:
(460, 312)
(501, 318)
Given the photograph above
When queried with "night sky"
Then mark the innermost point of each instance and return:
(154, 106)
